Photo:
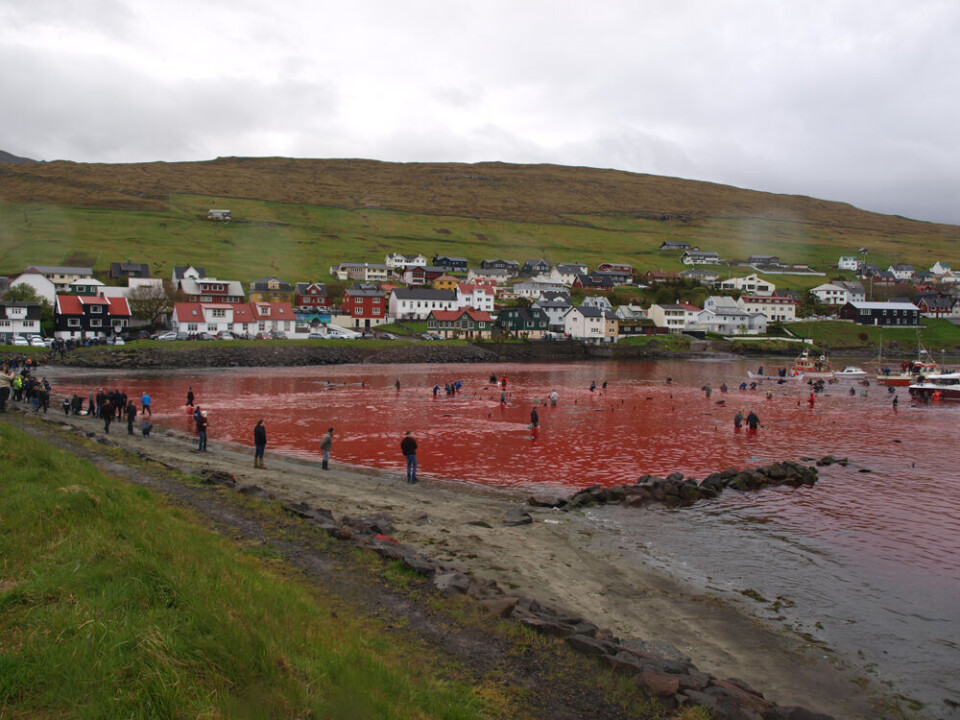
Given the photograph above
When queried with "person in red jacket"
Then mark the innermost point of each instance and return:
(408, 446)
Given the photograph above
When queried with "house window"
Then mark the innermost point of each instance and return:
(218, 312)
(261, 326)
(358, 311)
(73, 322)
(96, 309)
(191, 327)
(376, 311)
(95, 322)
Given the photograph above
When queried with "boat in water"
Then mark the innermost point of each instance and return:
(937, 386)
(851, 373)
(910, 373)
(810, 367)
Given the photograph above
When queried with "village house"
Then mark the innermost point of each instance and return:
(630, 312)
(774, 307)
(61, 276)
(901, 271)
(940, 268)
(601, 302)
(566, 273)
(129, 270)
(839, 293)
(848, 262)
(82, 317)
(492, 276)
(18, 318)
(243, 319)
(360, 272)
(445, 282)
(657, 277)
(593, 281)
(704, 277)
(463, 323)
(450, 264)
(42, 286)
(422, 275)
(187, 271)
(881, 313)
(535, 267)
(752, 284)
(479, 297)
(207, 289)
(418, 303)
(270, 289)
(675, 246)
(555, 306)
(525, 323)
(399, 261)
(85, 286)
(700, 257)
(722, 314)
(675, 317)
(587, 323)
(511, 266)
(533, 289)
(311, 297)
(364, 305)
(219, 215)
(937, 305)
(767, 260)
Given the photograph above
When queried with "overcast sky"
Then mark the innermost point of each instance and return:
(850, 100)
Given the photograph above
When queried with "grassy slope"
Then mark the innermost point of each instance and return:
(114, 605)
(311, 214)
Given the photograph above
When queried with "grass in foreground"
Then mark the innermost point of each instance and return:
(114, 604)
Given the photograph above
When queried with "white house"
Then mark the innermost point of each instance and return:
(901, 271)
(418, 303)
(556, 306)
(360, 272)
(848, 262)
(488, 276)
(752, 284)
(589, 323)
(565, 273)
(61, 276)
(630, 312)
(534, 289)
(839, 293)
(776, 309)
(940, 268)
(700, 257)
(42, 286)
(675, 317)
(249, 318)
(601, 302)
(398, 261)
(19, 318)
(479, 297)
(729, 321)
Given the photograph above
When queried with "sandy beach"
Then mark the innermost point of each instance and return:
(560, 560)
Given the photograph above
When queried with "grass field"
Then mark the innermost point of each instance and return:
(115, 605)
(934, 335)
(294, 219)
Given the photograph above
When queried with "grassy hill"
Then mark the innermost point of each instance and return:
(295, 218)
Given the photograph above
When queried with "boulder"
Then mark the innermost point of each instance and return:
(550, 501)
(500, 606)
(218, 477)
(657, 683)
(517, 516)
(451, 583)
(378, 523)
(587, 645)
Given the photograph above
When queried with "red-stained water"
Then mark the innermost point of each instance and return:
(887, 541)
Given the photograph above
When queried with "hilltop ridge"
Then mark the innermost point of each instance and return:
(494, 190)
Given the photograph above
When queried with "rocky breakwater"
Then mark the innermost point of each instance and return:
(675, 490)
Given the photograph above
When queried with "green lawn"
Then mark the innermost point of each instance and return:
(113, 604)
(934, 335)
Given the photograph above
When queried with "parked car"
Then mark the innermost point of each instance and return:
(20, 340)
(169, 335)
(317, 336)
(225, 336)
(205, 336)
(367, 335)
(387, 336)
(37, 341)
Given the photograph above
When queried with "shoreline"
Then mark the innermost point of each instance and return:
(561, 559)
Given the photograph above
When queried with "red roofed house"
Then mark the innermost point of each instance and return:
(253, 318)
(84, 316)
(365, 305)
(462, 323)
(478, 297)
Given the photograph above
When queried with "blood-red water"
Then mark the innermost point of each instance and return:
(872, 552)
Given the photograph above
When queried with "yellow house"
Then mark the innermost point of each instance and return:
(446, 282)
(270, 289)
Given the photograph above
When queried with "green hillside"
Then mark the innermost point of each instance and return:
(296, 218)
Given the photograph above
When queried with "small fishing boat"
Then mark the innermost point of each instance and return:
(936, 386)
(850, 373)
(909, 373)
(807, 367)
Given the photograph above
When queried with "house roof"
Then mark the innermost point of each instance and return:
(33, 309)
(472, 288)
(179, 270)
(883, 305)
(59, 270)
(262, 285)
(364, 292)
(475, 315)
(304, 287)
(74, 304)
(424, 294)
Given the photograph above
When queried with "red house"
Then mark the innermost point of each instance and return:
(365, 304)
(311, 297)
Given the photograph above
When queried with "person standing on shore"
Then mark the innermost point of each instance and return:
(106, 412)
(408, 446)
(326, 442)
(131, 416)
(190, 396)
(6, 385)
(202, 426)
(259, 444)
(145, 404)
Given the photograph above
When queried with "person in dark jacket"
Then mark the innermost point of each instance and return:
(202, 425)
(408, 446)
(259, 444)
(106, 412)
(534, 418)
(131, 416)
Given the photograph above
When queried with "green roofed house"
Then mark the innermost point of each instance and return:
(524, 323)
(463, 323)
